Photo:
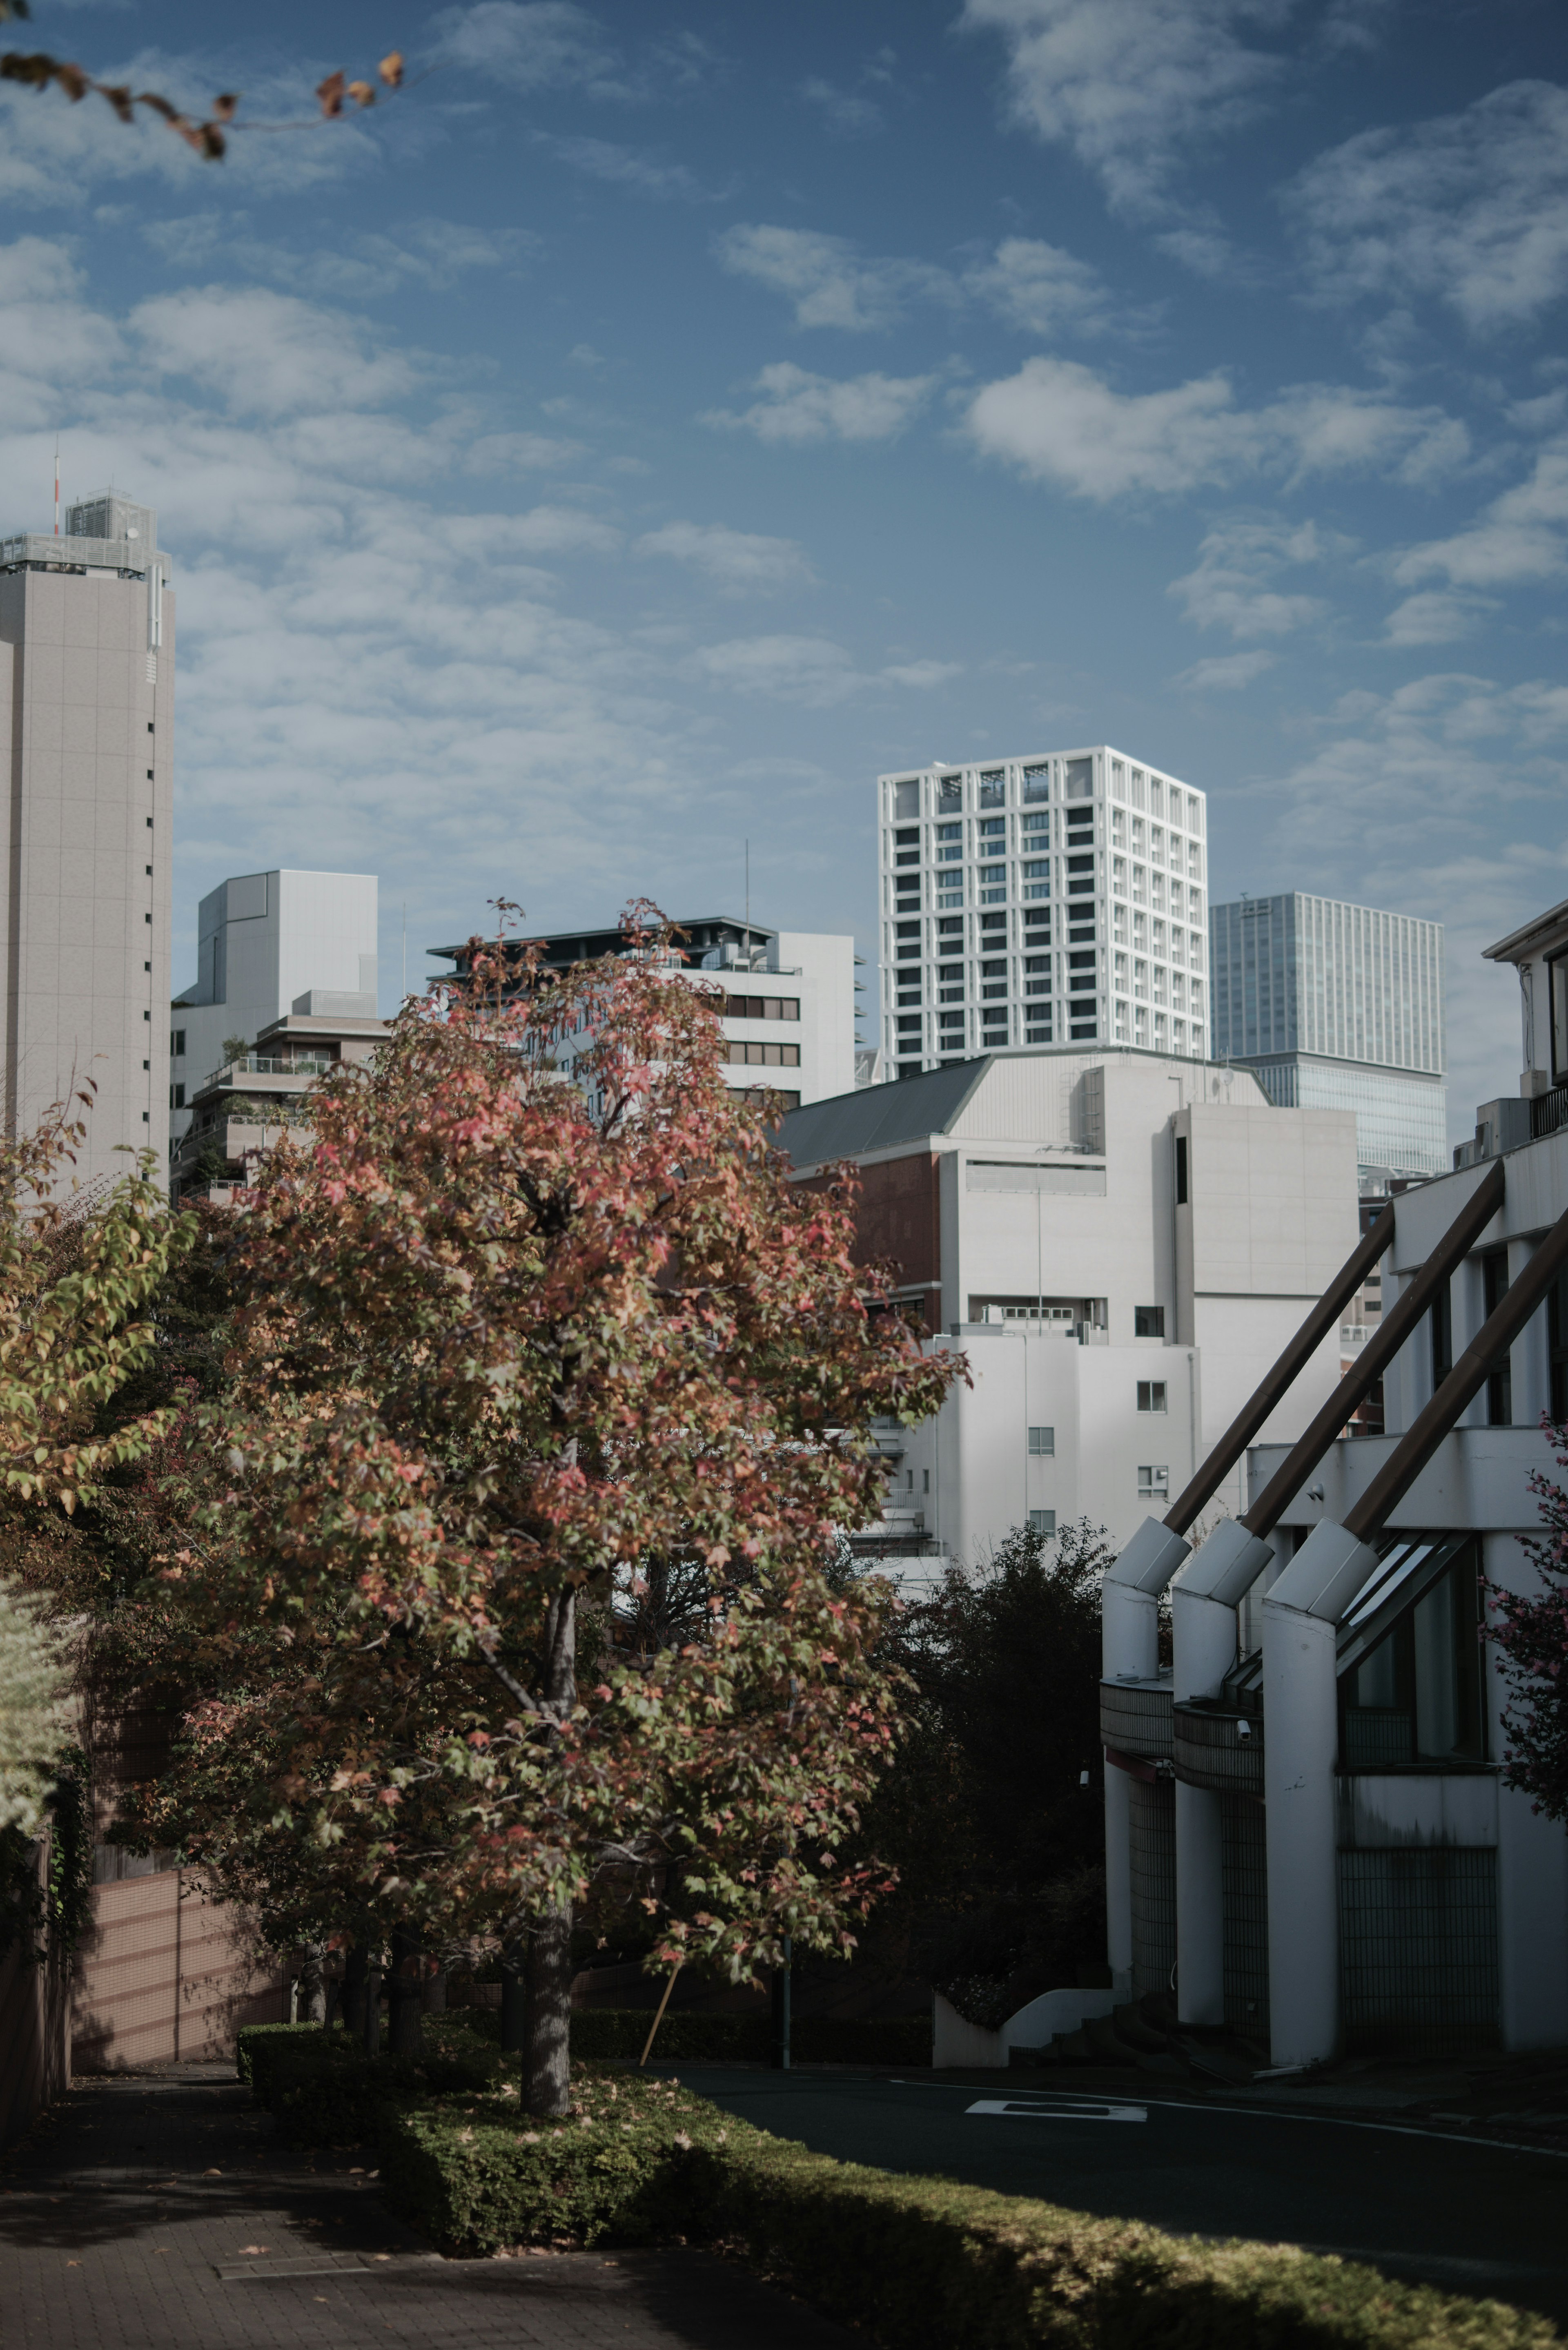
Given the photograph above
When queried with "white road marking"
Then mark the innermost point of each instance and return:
(1060, 2111)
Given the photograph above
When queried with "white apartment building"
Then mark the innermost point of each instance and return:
(86, 712)
(787, 998)
(1058, 898)
(268, 944)
(1118, 1243)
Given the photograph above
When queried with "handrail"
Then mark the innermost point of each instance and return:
(1463, 1383)
(1367, 1368)
(1324, 1317)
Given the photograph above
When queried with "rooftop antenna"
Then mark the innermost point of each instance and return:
(56, 485)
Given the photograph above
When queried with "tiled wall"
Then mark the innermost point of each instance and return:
(164, 1974)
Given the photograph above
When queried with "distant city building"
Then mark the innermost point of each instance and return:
(788, 996)
(1057, 899)
(86, 712)
(1336, 1006)
(240, 1111)
(263, 942)
(1120, 1243)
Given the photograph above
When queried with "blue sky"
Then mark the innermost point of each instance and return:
(660, 419)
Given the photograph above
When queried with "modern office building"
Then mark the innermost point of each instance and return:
(240, 1111)
(1119, 1243)
(1057, 899)
(787, 997)
(87, 711)
(265, 942)
(1336, 1006)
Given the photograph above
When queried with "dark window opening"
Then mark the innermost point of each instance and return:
(1416, 1698)
(1499, 1382)
(1557, 986)
(1148, 1321)
(1182, 1171)
(1557, 1342)
(1442, 1322)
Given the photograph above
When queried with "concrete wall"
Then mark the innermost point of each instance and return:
(827, 964)
(164, 1973)
(86, 720)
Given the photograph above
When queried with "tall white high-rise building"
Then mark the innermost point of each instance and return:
(86, 713)
(1336, 1006)
(1057, 899)
(268, 944)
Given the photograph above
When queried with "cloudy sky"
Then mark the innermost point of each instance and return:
(661, 418)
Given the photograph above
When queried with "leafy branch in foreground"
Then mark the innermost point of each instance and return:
(37, 70)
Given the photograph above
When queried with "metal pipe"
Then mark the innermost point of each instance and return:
(1293, 1361)
(1465, 1381)
(1364, 1374)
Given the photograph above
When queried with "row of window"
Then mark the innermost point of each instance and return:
(763, 1057)
(760, 1007)
(1031, 782)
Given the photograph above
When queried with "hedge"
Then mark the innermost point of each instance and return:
(917, 2261)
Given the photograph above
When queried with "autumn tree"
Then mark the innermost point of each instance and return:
(1531, 1634)
(550, 1402)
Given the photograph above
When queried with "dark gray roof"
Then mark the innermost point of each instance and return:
(874, 1117)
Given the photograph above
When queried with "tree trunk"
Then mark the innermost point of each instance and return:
(548, 2082)
(371, 2041)
(547, 2087)
(354, 1973)
(435, 1992)
(403, 1990)
(514, 1996)
(312, 1986)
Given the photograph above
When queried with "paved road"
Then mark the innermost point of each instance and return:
(159, 2212)
(1475, 2219)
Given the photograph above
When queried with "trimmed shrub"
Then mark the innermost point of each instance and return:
(923, 2264)
(326, 2092)
(257, 2044)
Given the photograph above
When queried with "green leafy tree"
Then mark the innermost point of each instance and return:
(1531, 1634)
(550, 1400)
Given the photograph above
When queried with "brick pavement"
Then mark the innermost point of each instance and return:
(159, 2210)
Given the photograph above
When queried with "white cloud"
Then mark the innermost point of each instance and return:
(431, 254)
(628, 166)
(809, 669)
(845, 114)
(919, 677)
(1229, 589)
(1062, 424)
(528, 45)
(1435, 618)
(268, 353)
(1517, 540)
(1039, 288)
(797, 407)
(1226, 674)
(735, 559)
(1470, 209)
(1126, 85)
(830, 283)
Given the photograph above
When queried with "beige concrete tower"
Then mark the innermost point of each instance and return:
(87, 712)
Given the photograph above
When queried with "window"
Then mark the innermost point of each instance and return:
(950, 1020)
(1042, 1443)
(908, 1023)
(1080, 785)
(908, 838)
(1417, 1697)
(991, 827)
(769, 1056)
(1557, 1343)
(1041, 1522)
(993, 922)
(177, 1044)
(1557, 984)
(949, 934)
(1036, 783)
(1151, 1395)
(993, 786)
(1148, 1321)
(177, 1097)
(1180, 1176)
(1442, 1321)
(907, 798)
(1039, 822)
(909, 931)
(765, 1007)
(949, 793)
(1153, 1484)
(1036, 1034)
(1500, 1383)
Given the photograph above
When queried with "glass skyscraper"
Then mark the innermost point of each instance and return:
(1336, 1006)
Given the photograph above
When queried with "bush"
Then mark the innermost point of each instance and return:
(685, 2038)
(256, 2046)
(919, 2262)
(326, 2092)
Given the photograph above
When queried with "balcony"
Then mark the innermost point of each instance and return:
(1549, 1113)
(253, 1065)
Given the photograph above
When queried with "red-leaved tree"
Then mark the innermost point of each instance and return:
(1531, 1633)
(538, 1319)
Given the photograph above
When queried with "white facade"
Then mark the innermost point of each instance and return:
(1056, 899)
(86, 712)
(1119, 1244)
(265, 942)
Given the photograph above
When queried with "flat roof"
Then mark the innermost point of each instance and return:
(611, 934)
